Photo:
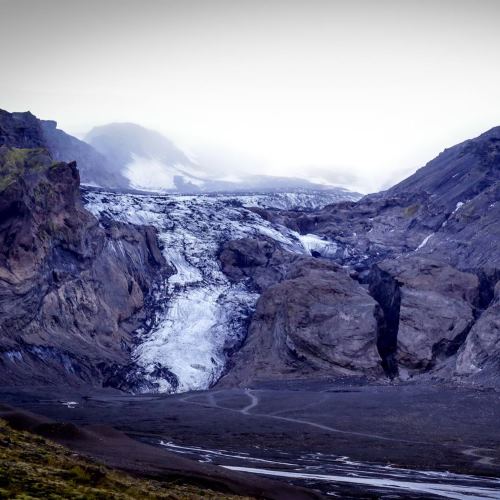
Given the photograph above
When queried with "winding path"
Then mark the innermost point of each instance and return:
(254, 401)
(210, 399)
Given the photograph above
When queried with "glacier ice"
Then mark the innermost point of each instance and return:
(203, 315)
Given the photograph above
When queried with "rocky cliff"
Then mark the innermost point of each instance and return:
(25, 130)
(312, 319)
(399, 285)
(425, 253)
(95, 169)
(72, 290)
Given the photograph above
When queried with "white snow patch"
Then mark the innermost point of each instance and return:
(149, 173)
(153, 174)
(230, 178)
(424, 242)
(69, 404)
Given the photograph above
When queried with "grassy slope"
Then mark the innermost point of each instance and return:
(32, 467)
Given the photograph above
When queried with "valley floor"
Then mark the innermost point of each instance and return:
(351, 440)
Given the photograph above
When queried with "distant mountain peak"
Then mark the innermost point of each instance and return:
(152, 162)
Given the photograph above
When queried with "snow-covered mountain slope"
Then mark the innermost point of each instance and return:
(149, 161)
(155, 175)
(199, 316)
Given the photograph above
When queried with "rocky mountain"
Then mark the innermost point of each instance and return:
(151, 162)
(148, 160)
(72, 289)
(427, 250)
(311, 319)
(173, 292)
(26, 130)
(95, 169)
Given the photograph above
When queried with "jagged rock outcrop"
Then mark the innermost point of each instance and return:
(434, 309)
(25, 130)
(480, 354)
(20, 130)
(94, 168)
(314, 321)
(260, 261)
(429, 250)
(72, 291)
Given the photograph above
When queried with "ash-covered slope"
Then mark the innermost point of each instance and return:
(459, 173)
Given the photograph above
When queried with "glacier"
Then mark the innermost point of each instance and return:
(201, 317)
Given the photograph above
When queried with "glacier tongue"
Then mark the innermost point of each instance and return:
(202, 315)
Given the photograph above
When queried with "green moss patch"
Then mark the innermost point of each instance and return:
(16, 162)
(411, 210)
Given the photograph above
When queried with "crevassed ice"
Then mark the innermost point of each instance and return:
(312, 242)
(204, 314)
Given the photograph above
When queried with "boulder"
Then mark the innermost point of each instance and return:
(317, 322)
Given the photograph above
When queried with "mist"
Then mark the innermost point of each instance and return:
(357, 93)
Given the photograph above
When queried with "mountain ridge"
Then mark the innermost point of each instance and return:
(412, 291)
(152, 162)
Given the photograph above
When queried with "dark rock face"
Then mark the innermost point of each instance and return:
(20, 130)
(317, 321)
(459, 173)
(261, 261)
(95, 169)
(480, 354)
(71, 291)
(428, 249)
(24, 130)
(436, 309)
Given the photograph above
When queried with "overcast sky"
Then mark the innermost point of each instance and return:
(362, 92)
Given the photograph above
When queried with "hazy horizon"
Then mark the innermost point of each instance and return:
(357, 93)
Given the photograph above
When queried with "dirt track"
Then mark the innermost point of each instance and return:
(433, 427)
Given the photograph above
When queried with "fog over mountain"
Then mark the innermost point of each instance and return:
(250, 249)
(363, 92)
(146, 160)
